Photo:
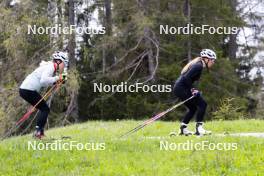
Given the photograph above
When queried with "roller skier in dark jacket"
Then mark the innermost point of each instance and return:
(183, 89)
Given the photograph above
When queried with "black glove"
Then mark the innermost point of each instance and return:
(195, 92)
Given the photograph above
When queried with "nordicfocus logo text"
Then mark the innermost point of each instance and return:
(203, 29)
(58, 29)
(125, 87)
(203, 145)
(69, 145)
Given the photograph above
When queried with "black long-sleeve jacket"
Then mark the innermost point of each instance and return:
(193, 74)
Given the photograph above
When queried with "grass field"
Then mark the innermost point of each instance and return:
(137, 154)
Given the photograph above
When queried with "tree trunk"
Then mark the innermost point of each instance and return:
(104, 58)
(106, 53)
(232, 44)
(108, 17)
(72, 109)
(187, 14)
(53, 18)
(71, 44)
(150, 57)
(143, 4)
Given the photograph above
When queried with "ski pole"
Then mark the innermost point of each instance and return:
(154, 118)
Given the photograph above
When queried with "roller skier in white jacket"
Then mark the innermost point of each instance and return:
(43, 76)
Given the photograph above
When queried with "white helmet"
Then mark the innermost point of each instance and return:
(210, 54)
(59, 55)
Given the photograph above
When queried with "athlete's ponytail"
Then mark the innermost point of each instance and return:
(187, 66)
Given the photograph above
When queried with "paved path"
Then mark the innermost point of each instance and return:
(251, 134)
(256, 134)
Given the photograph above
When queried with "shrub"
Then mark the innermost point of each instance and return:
(228, 110)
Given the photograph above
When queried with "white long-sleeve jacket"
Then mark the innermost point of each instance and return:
(43, 76)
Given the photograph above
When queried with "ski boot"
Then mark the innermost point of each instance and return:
(200, 131)
(39, 133)
(184, 131)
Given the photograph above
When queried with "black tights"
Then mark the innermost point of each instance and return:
(33, 98)
(197, 104)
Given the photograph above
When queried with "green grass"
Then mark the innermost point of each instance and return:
(137, 155)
